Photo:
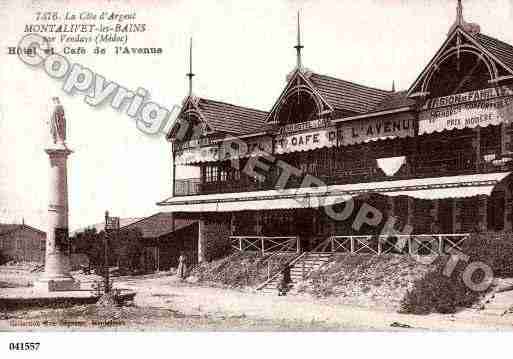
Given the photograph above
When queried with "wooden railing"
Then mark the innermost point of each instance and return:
(265, 244)
(187, 187)
(423, 244)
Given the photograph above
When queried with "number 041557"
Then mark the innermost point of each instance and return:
(29, 346)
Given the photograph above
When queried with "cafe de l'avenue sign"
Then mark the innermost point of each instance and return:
(347, 133)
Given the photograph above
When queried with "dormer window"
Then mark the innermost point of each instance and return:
(298, 106)
(459, 73)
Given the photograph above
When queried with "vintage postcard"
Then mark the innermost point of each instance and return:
(247, 166)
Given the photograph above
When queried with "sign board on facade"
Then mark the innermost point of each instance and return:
(238, 148)
(306, 141)
(379, 128)
(304, 126)
(196, 155)
(466, 97)
(466, 115)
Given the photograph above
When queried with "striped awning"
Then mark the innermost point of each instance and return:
(316, 197)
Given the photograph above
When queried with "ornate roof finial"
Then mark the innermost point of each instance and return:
(471, 28)
(393, 85)
(190, 74)
(459, 13)
(298, 46)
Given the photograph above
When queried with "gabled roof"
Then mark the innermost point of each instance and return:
(6, 228)
(159, 224)
(500, 49)
(347, 96)
(225, 117)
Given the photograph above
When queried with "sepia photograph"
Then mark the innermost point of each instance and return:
(317, 166)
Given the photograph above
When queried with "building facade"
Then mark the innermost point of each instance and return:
(333, 158)
(22, 243)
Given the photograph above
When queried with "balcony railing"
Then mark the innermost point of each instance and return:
(426, 244)
(187, 187)
(265, 244)
(418, 166)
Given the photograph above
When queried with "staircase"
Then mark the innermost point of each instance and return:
(300, 269)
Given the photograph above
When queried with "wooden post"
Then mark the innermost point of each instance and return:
(240, 243)
(351, 239)
(456, 218)
(262, 243)
(483, 213)
(477, 147)
(508, 225)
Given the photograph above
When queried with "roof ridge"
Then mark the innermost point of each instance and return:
(144, 218)
(231, 104)
(351, 82)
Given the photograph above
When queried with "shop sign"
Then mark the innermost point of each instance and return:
(466, 97)
(352, 132)
(306, 141)
(196, 155)
(466, 115)
(305, 126)
(248, 148)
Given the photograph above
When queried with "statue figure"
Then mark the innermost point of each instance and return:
(58, 123)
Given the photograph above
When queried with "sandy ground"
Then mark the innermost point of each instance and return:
(164, 303)
(167, 293)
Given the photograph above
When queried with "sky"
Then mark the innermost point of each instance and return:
(243, 51)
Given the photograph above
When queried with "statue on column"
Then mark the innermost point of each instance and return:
(58, 123)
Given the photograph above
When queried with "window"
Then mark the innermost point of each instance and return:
(299, 106)
(42, 245)
(211, 174)
(19, 244)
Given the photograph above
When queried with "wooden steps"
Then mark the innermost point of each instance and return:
(299, 270)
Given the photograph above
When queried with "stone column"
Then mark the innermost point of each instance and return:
(201, 240)
(56, 276)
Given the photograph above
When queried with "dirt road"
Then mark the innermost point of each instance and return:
(166, 292)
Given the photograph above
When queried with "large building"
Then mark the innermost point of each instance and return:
(436, 156)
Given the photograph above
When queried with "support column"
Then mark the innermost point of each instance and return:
(435, 211)
(213, 236)
(410, 217)
(483, 213)
(57, 276)
(476, 144)
(508, 225)
(201, 240)
(456, 215)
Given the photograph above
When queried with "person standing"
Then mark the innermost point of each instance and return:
(182, 266)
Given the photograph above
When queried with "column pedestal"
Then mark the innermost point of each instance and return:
(56, 276)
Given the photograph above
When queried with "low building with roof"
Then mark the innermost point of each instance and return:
(164, 239)
(22, 243)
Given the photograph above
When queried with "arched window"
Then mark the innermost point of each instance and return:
(455, 75)
(298, 106)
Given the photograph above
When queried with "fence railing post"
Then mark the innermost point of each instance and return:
(262, 243)
(240, 243)
(332, 244)
(379, 245)
(351, 239)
